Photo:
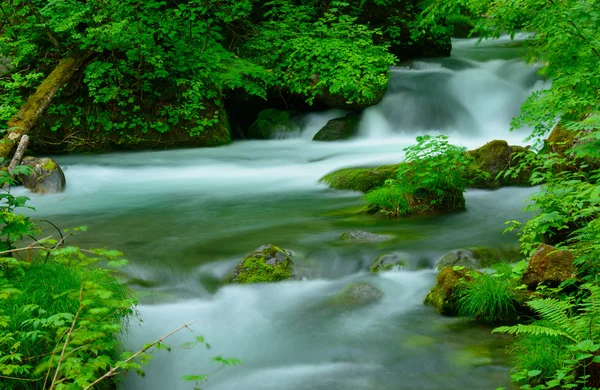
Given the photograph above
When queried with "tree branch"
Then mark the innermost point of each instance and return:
(113, 370)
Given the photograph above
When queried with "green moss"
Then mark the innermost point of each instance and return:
(49, 165)
(493, 158)
(265, 265)
(561, 139)
(270, 122)
(360, 179)
(444, 295)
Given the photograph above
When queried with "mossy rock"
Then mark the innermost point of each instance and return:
(444, 295)
(493, 158)
(561, 139)
(478, 257)
(360, 179)
(389, 261)
(549, 266)
(46, 176)
(82, 136)
(357, 294)
(272, 123)
(361, 237)
(265, 264)
(339, 128)
(338, 100)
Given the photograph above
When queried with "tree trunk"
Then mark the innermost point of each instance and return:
(37, 103)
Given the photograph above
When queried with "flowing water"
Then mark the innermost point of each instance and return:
(185, 218)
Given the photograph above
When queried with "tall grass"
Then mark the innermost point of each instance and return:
(49, 289)
(490, 297)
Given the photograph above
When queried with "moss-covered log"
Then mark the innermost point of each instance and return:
(37, 103)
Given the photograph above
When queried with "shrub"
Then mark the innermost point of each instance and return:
(391, 199)
(490, 297)
(574, 324)
(530, 352)
(432, 178)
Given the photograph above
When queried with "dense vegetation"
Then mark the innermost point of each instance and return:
(157, 68)
(560, 348)
(157, 73)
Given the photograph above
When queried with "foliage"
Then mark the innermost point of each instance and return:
(432, 178)
(323, 55)
(575, 322)
(532, 353)
(390, 199)
(62, 310)
(490, 297)
(153, 56)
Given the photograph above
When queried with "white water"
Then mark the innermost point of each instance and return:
(187, 215)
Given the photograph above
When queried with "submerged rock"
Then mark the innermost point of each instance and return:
(364, 237)
(272, 123)
(477, 257)
(339, 128)
(265, 264)
(46, 176)
(357, 294)
(360, 179)
(444, 295)
(549, 266)
(493, 158)
(389, 261)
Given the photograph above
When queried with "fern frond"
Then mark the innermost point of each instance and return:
(558, 313)
(535, 330)
(590, 312)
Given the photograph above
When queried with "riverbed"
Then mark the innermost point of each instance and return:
(184, 218)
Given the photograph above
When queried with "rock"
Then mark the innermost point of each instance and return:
(46, 176)
(549, 266)
(389, 261)
(358, 294)
(358, 236)
(477, 257)
(561, 140)
(339, 128)
(337, 100)
(360, 179)
(444, 295)
(265, 264)
(493, 158)
(78, 134)
(272, 123)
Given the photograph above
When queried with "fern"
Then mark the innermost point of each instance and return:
(534, 330)
(576, 324)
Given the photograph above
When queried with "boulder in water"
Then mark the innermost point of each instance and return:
(389, 261)
(549, 266)
(265, 264)
(339, 128)
(358, 294)
(492, 158)
(477, 257)
(444, 295)
(360, 179)
(46, 176)
(358, 236)
(272, 123)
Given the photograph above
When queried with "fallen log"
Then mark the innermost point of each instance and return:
(37, 103)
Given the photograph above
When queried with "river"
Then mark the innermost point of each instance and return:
(184, 218)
